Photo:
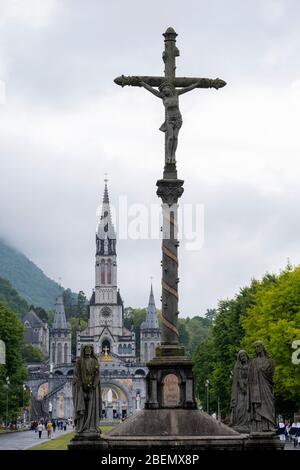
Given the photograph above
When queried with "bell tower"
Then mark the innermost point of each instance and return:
(106, 306)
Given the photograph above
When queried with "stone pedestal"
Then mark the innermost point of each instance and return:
(85, 441)
(170, 381)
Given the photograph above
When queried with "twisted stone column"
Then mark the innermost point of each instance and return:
(170, 190)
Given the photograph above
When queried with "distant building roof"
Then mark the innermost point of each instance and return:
(31, 336)
(34, 321)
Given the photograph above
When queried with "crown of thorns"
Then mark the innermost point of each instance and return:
(166, 84)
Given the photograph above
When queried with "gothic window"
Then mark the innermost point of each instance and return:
(146, 352)
(59, 353)
(102, 271)
(109, 271)
(66, 352)
(129, 349)
(151, 351)
(120, 349)
(53, 352)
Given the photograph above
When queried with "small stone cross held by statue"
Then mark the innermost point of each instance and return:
(169, 89)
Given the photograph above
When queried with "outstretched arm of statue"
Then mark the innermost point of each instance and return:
(204, 83)
(149, 88)
(188, 88)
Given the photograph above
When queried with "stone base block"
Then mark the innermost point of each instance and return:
(264, 441)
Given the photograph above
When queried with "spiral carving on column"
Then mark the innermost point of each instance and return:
(170, 190)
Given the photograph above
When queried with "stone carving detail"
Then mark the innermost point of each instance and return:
(171, 390)
(169, 190)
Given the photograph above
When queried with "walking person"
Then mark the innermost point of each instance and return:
(282, 430)
(40, 428)
(49, 429)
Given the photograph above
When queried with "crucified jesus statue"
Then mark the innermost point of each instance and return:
(173, 119)
(168, 88)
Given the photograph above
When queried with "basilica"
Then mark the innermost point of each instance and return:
(122, 371)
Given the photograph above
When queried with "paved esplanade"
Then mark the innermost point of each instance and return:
(26, 439)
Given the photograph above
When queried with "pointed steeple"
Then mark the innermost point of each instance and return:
(105, 195)
(60, 322)
(106, 234)
(151, 321)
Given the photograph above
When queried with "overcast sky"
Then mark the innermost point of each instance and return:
(65, 123)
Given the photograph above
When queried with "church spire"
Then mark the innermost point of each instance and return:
(60, 322)
(106, 235)
(151, 321)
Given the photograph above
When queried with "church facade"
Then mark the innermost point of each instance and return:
(122, 372)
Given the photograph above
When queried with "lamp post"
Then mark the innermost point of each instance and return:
(24, 410)
(30, 392)
(7, 387)
(207, 395)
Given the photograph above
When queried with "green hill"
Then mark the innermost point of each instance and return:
(10, 297)
(29, 280)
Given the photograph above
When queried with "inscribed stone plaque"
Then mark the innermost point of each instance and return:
(171, 390)
(2, 352)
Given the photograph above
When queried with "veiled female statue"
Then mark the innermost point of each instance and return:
(240, 393)
(261, 395)
(87, 392)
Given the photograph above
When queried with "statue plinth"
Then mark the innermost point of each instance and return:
(170, 382)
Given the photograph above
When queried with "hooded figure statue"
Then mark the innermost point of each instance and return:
(240, 418)
(87, 392)
(261, 396)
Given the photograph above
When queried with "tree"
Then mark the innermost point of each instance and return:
(274, 318)
(41, 313)
(210, 314)
(183, 333)
(133, 318)
(219, 351)
(76, 323)
(32, 354)
(10, 297)
(70, 303)
(82, 303)
(11, 332)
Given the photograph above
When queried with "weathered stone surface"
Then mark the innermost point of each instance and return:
(172, 422)
(171, 390)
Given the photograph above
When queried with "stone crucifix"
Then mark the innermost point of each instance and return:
(170, 88)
